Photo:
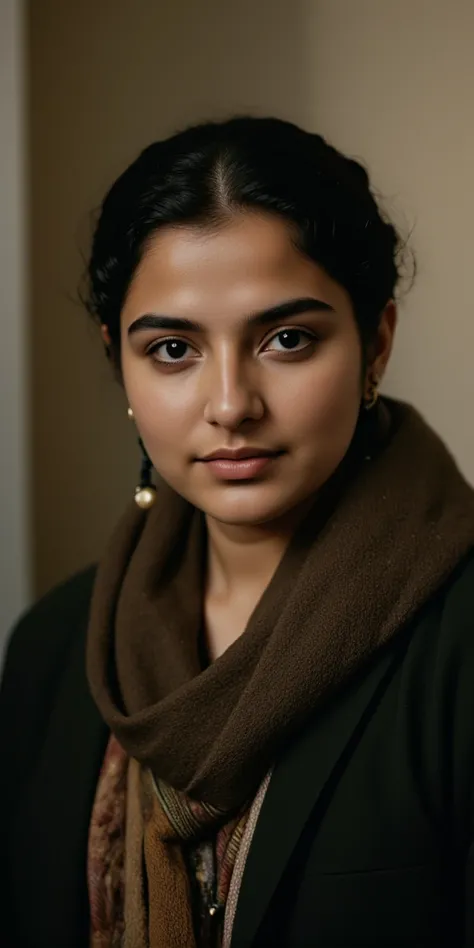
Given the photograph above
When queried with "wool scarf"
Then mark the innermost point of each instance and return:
(379, 540)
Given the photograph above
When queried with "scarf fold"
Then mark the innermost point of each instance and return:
(368, 555)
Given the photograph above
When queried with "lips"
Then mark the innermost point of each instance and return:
(243, 464)
(239, 454)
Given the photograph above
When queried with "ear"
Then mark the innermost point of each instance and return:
(381, 348)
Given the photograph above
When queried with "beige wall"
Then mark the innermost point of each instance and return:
(395, 84)
(105, 80)
(389, 82)
(14, 553)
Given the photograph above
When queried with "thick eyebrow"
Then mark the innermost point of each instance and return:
(286, 310)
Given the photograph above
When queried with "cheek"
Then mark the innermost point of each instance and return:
(325, 394)
(165, 424)
(163, 408)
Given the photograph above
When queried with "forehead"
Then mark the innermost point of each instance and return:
(248, 263)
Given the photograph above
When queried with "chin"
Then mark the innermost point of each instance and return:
(244, 510)
(240, 520)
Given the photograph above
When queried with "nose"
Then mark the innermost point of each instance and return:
(232, 395)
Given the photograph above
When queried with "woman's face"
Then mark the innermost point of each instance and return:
(233, 340)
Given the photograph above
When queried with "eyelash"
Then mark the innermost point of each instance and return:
(177, 362)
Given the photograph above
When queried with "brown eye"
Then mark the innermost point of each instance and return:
(289, 340)
(170, 351)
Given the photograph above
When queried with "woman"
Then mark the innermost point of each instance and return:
(274, 743)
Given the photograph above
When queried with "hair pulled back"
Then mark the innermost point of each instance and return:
(209, 172)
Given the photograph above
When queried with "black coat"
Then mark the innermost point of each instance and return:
(365, 835)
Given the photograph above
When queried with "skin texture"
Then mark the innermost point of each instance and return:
(237, 384)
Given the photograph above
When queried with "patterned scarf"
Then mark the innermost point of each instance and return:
(214, 843)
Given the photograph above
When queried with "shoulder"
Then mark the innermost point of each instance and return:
(52, 622)
(51, 734)
(455, 610)
(459, 593)
(440, 694)
(46, 641)
(454, 687)
(443, 641)
(41, 641)
(445, 648)
(437, 671)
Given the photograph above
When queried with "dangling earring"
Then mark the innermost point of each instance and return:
(145, 493)
(372, 395)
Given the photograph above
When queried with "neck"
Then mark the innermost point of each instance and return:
(242, 557)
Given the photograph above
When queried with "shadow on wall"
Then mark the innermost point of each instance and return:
(104, 81)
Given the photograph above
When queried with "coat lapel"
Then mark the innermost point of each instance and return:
(296, 789)
(55, 816)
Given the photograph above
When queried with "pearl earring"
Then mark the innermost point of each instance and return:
(145, 493)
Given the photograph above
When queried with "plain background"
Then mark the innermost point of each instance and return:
(15, 466)
(390, 84)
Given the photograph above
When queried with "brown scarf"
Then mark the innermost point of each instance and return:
(364, 561)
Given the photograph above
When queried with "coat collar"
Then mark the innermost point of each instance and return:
(296, 791)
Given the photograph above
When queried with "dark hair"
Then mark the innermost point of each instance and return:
(208, 172)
